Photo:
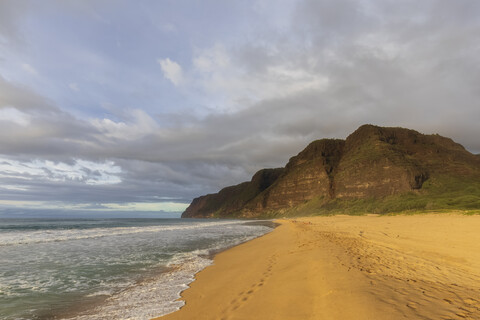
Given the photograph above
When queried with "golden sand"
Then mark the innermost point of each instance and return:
(346, 267)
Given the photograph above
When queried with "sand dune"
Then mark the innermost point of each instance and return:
(346, 267)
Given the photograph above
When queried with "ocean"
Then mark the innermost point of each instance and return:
(107, 268)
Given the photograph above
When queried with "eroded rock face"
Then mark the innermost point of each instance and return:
(373, 162)
(385, 161)
(307, 175)
(379, 162)
(232, 199)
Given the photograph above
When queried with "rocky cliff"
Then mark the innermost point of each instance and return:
(231, 199)
(375, 169)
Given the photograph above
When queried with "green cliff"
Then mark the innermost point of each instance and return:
(375, 169)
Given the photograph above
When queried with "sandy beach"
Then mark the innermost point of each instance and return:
(346, 267)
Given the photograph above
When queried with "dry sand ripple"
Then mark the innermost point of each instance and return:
(345, 267)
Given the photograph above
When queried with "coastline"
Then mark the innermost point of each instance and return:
(107, 268)
(152, 286)
(345, 267)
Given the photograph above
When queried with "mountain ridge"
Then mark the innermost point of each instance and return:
(370, 168)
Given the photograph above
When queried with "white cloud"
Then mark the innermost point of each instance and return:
(73, 86)
(258, 96)
(171, 70)
(168, 27)
(29, 69)
(21, 204)
(14, 115)
(288, 80)
(128, 206)
(140, 125)
(88, 172)
(379, 46)
(147, 206)
(237, 85)
(211, 59)
(14, 187)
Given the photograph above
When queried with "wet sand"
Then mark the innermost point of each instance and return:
(346, 267)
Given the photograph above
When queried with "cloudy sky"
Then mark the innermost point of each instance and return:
(144, 105)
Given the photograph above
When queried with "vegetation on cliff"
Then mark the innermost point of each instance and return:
(376, 169)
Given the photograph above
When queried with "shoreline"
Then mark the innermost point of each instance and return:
(98, 306)
(213, 253)
(345, 267)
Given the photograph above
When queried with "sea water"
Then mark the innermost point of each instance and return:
(106, 268)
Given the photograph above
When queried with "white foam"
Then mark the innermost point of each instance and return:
(100, 293)
(112, 265)
(43, 236)
(151, 298)
(159, 296)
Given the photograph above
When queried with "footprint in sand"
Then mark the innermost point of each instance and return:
(412, 305)
(244, 296)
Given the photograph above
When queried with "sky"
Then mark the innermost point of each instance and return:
(140, 106)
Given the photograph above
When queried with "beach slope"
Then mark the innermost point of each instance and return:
(346, 267)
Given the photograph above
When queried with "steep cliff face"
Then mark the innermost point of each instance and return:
(306, 176)
(385, 161)
(232, 199)
(379, 162)
(372, 163)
